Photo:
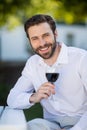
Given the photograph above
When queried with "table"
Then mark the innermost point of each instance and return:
(12, 119)
(1, 110)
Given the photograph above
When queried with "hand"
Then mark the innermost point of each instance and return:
(44, 91)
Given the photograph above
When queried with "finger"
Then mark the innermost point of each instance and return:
(42, 95)
(48, 84)
(45, 91)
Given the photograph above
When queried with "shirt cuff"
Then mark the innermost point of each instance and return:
(75, 128)
(31, 104)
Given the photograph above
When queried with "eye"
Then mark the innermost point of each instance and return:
(46, 35)
(34, 38)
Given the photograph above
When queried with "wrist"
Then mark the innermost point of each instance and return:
(32, 98)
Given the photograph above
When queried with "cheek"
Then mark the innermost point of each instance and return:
(33, 43)
(34, 46)
(52, 39)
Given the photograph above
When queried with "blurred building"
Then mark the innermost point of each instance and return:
(73, 35)
(14, 44)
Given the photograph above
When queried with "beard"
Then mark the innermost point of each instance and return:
(50, 53)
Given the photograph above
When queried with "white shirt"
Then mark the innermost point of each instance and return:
(71, 86)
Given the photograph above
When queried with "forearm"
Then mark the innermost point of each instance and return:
(20, 101)
(19, 95)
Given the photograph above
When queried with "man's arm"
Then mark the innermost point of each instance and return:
(19, 95)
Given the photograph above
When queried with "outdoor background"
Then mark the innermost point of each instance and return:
(71, 19)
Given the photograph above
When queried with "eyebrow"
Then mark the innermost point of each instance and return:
(42, 35)
(46, 33)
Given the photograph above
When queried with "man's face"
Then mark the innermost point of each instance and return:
(42, 39)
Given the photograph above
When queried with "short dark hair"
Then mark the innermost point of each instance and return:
(37, 19)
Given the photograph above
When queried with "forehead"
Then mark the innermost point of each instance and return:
(39, 29)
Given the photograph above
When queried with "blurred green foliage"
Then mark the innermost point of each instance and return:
(4, 90)
(15, 12)
(77, 9)
(35, 111)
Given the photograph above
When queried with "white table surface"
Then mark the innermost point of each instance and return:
(12, 119)
(1, 109)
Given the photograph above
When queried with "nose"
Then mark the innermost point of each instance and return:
(42, 41)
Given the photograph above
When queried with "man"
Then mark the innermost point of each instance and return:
(65, 101)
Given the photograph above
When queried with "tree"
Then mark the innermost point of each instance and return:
(15, 12)
(11, 11)
(77, 9)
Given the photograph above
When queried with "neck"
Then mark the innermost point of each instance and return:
(53, 59)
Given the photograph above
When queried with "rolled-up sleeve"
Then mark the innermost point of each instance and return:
(19, 95)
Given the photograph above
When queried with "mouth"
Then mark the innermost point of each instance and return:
(44, 49)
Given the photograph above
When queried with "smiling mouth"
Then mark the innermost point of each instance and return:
(44, 49)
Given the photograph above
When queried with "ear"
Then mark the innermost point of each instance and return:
(56, 33)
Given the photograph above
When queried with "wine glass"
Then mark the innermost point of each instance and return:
(52, 75)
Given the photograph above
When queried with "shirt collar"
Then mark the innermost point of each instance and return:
(63, 55)
(62, 58)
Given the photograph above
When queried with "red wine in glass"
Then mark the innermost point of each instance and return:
(52, 77)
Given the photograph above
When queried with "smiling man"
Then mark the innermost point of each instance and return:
(43, 43)
(65, 101)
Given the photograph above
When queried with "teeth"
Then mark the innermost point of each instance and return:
(44, 49)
